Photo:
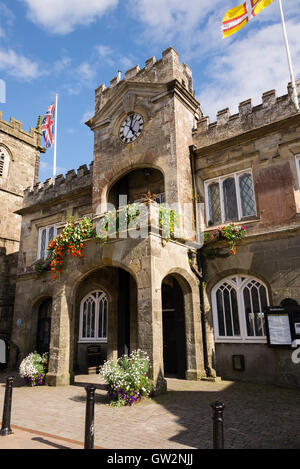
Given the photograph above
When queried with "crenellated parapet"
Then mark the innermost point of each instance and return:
(249, 117)
(14, 129)
(164, 70)
(62, 186)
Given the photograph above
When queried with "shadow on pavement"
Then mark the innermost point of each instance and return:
(49, 443)
(255, 416)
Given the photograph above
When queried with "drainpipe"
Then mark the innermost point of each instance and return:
(196, 266)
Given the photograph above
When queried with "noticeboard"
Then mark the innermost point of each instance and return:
(278, 327)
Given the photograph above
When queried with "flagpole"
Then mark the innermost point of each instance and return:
(295, 97)
(55, 137)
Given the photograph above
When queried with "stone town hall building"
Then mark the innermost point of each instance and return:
(142, 292)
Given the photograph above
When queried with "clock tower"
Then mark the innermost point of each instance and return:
(142, 133)
(146, 120)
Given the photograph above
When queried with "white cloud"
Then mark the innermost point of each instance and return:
(18, 66)
(6, 19)
(249, 67)
(62, 64)
(62, 16)
(86, 72)
(232, 70)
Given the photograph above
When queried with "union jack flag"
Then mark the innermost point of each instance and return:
(47, 126)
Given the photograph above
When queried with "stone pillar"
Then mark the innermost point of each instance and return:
(195, 364)
(60, 366)
(150, 338)
(112, 330)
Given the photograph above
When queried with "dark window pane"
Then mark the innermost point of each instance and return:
(228, 321)
(248, 312)
(214, 203)
(247, 195)
(220, 313)
(51, 234)
(43, 244)
(255, 298)
(230, 202)
(235, 313)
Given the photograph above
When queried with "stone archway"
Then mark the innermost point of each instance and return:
(132, 186)
(119, 288)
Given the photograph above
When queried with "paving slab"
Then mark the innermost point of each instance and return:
(255, 416)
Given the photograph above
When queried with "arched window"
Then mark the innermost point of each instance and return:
(238, 303)
(93, 318)
(4, 162)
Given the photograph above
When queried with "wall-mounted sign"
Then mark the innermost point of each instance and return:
(19, 322)
(282, 325)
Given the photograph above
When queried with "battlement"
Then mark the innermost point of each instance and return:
(249, 117)
(62, 186)
(14, 128)
(164, 70)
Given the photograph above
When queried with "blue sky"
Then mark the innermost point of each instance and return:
(72, 46)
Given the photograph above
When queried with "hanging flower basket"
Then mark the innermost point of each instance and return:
(231, 233)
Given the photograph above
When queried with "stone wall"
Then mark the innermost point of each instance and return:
(249, 117)
(23, 151)
(52, 204)
(165, 70)
(275, 260)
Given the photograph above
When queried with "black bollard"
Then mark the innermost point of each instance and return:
(6, 430)
(218, 435)
(89, 417)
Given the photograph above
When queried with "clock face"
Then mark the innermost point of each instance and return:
(131, 128)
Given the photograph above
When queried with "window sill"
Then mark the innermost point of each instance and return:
(263, 340)
(240, 222)
(92, 341)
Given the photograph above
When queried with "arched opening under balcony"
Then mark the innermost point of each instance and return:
(134, 185)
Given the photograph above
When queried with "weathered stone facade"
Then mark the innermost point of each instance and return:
(153, 288)
(20, 152)
(264, 139)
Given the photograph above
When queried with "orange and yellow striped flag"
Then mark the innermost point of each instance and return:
(239, 16)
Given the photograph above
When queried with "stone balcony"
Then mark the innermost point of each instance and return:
(139, 221)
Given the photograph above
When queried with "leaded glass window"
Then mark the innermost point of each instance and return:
(230, 202)
(46, 234)
(238, 309)
(247, 195)
(230, 198)
(227, 311)
(255, 300)
(214, 203)
(93, 318)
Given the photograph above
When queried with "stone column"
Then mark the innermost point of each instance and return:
(60, 367)
(112, 330)
(150, 338)
(195, 364)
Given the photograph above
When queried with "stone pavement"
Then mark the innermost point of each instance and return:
(256, 416)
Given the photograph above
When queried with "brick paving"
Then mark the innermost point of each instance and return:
(256, 416)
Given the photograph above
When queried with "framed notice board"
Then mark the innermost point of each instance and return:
(282, 325)
(278, 327)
